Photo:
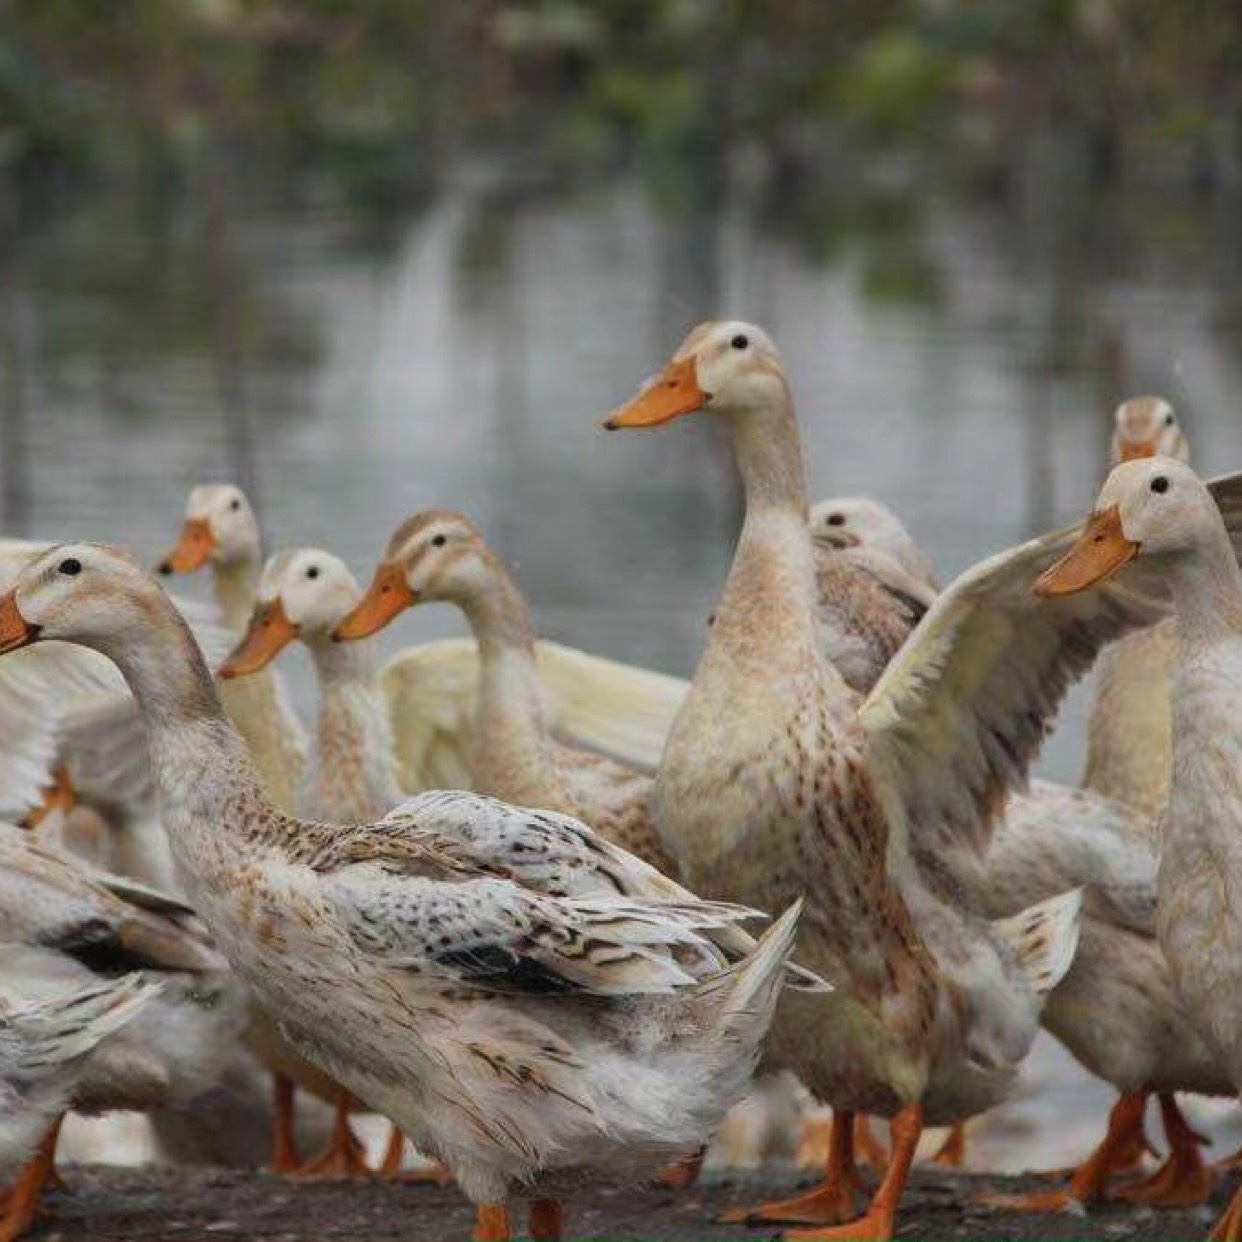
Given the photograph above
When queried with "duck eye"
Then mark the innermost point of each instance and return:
(740, 341)
(235, 504)
(313, 572)
(1160, 484)
(836, 519)
(1169, 420)
(70, 566)
(439, 540)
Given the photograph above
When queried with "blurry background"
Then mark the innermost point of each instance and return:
(366, 257)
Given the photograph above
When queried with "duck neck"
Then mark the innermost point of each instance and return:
(766, 621)
(203, 771)
(511, 741)
(237, 588)
(356, 776)
(1207, 590)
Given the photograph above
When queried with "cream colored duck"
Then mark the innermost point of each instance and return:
(776, 782)
(440, 556)
(1156, 513)
(351, 778)
(866, 523)
(45, 1050)
(79, 926)
(1116, 1010)
(529, 1002)
(1129, 743)
(221, 530)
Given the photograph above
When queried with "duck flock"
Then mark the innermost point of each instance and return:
(549, 914)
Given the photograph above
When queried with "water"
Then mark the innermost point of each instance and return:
(350, 365)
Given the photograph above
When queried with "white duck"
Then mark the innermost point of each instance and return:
(530, 1003)
(351, 778)
(78, 926)
(440, 556)
(221, 530)
(775, 782)
(45, 1048)
(1156, 513)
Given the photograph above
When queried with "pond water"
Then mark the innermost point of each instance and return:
(958, 358)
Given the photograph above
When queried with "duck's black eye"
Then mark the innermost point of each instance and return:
(235, 504)
(1160, 484)
(1169, 420)
(439, 540)
(70, 566)
(313, 572)
(740, 341)
(836, 519)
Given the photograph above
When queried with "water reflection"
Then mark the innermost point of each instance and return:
(954, 353)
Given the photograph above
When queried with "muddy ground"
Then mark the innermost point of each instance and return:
(165, 1204)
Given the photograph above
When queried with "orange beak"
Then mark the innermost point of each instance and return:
(193, 549)
(1131, 451)
(15, 631)
(674, 392)
(1102, 549)
(270, 631)
(388, 595)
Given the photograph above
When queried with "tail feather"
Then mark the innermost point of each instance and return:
(71, 1026)
(1044, 938)
(747, 990)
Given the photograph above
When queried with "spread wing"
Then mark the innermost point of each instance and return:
(956, 720)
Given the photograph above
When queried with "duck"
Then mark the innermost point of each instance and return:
(439, 555)
(45, 1048)
(221, 530)
(532, 1004)
(79, 926)
(352, 774)
(778, 782)
(1156, 525)
(869, 524)
(1129, 742)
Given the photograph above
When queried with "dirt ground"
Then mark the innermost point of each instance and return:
(122, 1205)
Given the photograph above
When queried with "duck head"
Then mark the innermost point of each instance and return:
(1153, 506)
(1147, 427)
(304, 593)
(722, 367)
(220, 528)
(434, 556)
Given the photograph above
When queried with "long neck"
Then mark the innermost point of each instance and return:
(203, 771)
(511, 741)
(765, 622)
(356, 773)
(237, 585)
(1207, 591)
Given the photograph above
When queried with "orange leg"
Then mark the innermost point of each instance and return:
(436, 1174)
(870, 1150)
(1184, 1179)
(491, 1223)
(22, 1202)
(952, 1152)
(345, 1157)
(683, 1173)
(830, 1202)
(547, 1220)
(284, 1146)
(1229, 1227)
(880, 1221)
(1087, 1183)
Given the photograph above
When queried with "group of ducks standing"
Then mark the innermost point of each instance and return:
(549, 979)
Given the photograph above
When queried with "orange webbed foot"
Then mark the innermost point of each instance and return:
(878, 1225)
(1184, 1179)
(952, 1152)
(491, 1223)
(828, 1204)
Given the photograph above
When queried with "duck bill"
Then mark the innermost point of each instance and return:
(15, 631)
(193, 550)
(1102, 549)
(1135, 450)
(674, 392)
(269, 633)
(388, 595)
